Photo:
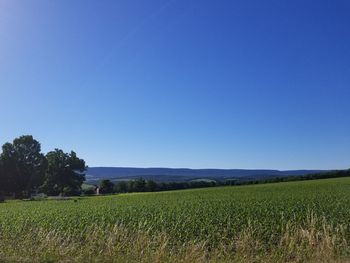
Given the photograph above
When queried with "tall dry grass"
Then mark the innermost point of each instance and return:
(317, 241)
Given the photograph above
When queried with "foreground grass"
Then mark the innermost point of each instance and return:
(285, 222)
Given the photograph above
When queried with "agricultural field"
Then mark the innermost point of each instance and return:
(283, 222)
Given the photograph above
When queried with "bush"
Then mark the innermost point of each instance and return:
(71, 191)
(89, 191)
(39, 197)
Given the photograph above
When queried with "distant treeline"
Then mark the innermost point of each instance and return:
(323, 175)
(25, 170)
(142, 185)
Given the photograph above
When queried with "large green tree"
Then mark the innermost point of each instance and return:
(23, 166)
(65, 173)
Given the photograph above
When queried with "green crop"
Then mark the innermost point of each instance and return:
(213, 216)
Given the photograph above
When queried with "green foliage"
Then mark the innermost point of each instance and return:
(151, 186)
(121, 187)
(23, 166)
(24, 169)
(64, 173)
(141, 185)
(322, 175)
(255, 214)
(205, 214)
(39, 197)
(88, 189)
(106, 187)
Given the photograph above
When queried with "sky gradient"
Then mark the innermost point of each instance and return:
(198, 84)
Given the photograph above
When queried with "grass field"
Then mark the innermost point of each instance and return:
(282, 222)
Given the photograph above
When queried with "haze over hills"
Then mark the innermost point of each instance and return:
(95, 174)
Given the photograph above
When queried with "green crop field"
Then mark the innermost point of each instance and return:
(294, 221)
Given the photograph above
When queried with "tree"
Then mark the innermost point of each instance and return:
(140, 185)
(65, 173)
(131, 186)
(121, 187)
(106, 187)
(23, 166)
(151, 186)
(2, 182)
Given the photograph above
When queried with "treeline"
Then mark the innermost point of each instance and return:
(142, 185)
(323, 175)
(25, 170)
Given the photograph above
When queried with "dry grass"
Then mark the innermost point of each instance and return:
(317, 242)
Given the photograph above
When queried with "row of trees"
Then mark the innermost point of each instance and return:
(24, 170)
(142, 185)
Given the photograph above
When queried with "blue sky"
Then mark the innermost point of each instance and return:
(157, 83)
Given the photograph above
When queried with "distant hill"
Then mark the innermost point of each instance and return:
(95, 174)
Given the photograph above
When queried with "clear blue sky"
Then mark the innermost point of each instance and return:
(224, 84)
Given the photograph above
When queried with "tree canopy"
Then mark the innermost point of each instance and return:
(24, 169)
(106, 187)
(64, 173)
(23, 165)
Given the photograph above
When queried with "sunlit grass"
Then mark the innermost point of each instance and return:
(295, 222)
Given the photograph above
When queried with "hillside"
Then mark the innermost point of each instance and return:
(184, 174)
